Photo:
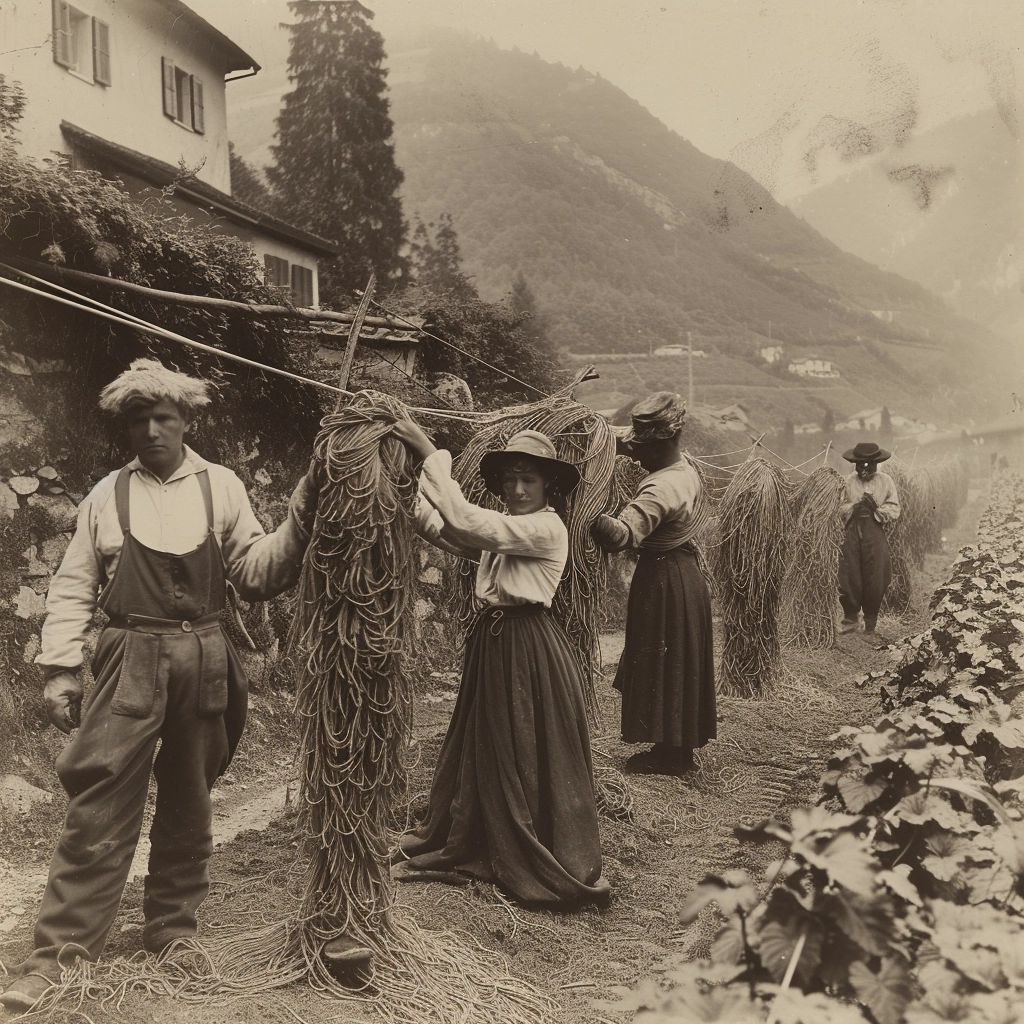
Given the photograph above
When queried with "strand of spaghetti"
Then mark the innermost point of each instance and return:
(147, 328)
(452, 345)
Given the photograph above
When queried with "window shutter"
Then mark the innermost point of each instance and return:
(198, 112)
(277, 270)
(302, 286)
(62, 34)
(170, 92)
(100, 51)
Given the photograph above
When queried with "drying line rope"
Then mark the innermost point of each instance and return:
(127, 320)
(452, 345)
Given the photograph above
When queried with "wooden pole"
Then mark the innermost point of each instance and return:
(202, 301)
(353, 334)
(689, 360)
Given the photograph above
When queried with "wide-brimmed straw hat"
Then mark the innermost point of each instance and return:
(866, 451)
(655, 418)
(537, 446)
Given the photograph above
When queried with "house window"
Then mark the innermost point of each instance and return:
(81, 43)
(277, 271)
(302, 286)
(183, 97)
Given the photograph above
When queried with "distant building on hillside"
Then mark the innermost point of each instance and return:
(137, 91)
(772, 354)
(887, 316)
(871, 420)
(807, 428)
(678, 350)
(813, 366)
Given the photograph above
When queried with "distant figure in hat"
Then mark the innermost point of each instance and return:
(666, 673)
(512, 800)
(156, 546)
(865, 567)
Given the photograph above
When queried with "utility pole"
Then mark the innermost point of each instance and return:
(689, 361)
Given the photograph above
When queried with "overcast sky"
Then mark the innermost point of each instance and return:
(749, 80)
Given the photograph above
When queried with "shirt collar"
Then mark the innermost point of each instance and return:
(193, 464)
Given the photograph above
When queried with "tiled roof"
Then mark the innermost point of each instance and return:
(161, 174)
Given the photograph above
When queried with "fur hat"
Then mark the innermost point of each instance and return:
(655, 418)
(147, 381)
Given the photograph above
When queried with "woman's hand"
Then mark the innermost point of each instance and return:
(410, 433)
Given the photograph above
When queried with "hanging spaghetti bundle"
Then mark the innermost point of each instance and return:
(907, 539)
(585, 439)
(749, 561)
(811, 582)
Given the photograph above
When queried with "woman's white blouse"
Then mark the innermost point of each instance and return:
(522, 558)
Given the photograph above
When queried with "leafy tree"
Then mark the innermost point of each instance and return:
(788, 436)
(247, 183)
(885, 422)
(12, 107)
(334, 163)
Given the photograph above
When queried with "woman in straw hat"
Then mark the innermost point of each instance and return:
(512, 800)
(865, 568)
(666, 674)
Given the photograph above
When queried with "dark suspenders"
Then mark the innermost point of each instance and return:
(122, 503)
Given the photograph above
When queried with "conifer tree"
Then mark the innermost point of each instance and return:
(437, 261)
(334, 168)
(247, 183)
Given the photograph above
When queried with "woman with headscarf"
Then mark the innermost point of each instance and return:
(872, 503)
(512, 800)
(666, 673)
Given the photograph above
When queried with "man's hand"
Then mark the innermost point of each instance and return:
(306, 496)
(62, 695)
(869, 500)
(410, 433)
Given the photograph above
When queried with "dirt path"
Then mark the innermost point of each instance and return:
(769, 756)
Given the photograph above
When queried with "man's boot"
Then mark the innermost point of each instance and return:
(24, 993)
(344, 951)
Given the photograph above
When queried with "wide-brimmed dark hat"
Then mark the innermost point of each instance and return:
(537, 446)
(866, 451)
(655, 418)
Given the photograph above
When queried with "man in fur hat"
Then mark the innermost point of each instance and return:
(864, 570)
(156, 544)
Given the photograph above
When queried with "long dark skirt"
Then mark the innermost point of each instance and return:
(666, 674)
(864, 569)
(512, 801)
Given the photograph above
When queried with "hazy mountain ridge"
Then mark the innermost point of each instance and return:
(949, 214)
(628, 235)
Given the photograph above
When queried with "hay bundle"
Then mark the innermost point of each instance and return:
(811, 582)
(749, 562)
(908, 537)
(585, 439)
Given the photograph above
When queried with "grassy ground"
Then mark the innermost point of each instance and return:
(768, 757)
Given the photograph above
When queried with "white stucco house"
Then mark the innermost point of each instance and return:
(813, 366)
(136, 89)
(771, 354)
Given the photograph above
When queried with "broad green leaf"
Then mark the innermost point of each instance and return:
(818, 820)
(777, 940)
(885, 993)
(857, 792)
(866, 922)
(898, 882)
(795, 1007)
